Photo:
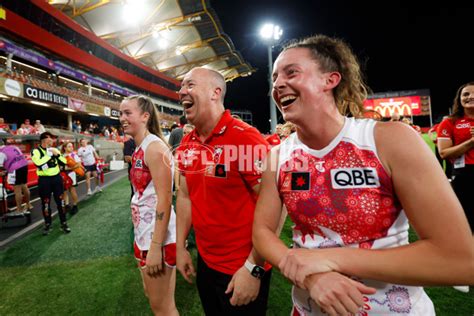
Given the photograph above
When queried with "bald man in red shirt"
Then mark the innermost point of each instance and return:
(220, 164)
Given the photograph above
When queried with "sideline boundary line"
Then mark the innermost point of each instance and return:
(40, 222)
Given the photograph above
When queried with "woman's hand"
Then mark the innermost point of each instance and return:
(336, 293)
(297, 264)
(154, 260)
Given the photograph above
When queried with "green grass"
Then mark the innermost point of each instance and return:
(92, 270)
(428, 141)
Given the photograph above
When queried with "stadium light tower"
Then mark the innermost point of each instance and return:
(271, 33)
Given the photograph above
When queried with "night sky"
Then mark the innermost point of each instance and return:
(402, 45)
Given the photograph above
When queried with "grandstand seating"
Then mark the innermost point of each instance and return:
(45, 84)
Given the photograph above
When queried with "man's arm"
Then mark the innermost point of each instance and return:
(184, 262)
(37, 159)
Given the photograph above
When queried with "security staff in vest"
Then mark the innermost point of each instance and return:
(47, 159)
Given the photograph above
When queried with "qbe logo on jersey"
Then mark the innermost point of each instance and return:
(354, 178)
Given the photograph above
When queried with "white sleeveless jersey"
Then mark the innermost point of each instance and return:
(144, 199)
(341, 196)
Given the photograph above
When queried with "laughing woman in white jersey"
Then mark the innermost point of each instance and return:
(350, 186)
(152, 213)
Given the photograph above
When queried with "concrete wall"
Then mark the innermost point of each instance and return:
(106, 149)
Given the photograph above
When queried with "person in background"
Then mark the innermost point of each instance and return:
(106, 132)
(47, 160)
(73, 163)
(408, 122)
(177, 133)
(275, 138)
(4, 127)
(278, 129)
(27, 128)
(287, 129)
(16, 166)
(90, 128)
(350, 186)
(153, 216)
(39, 128)
(96, 129)
(128, 150)
(456, 143)
(74, 127)
(188, 128)
(89, 158)
(113, 133)
(395, 117)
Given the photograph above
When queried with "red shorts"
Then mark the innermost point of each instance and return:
(169, 252)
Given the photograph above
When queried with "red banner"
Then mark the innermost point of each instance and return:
(404, 106)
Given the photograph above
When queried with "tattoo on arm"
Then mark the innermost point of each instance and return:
(160, 215)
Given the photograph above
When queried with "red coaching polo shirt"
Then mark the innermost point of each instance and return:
(458, 131)
(220, 173)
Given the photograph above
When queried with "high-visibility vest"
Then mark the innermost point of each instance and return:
(48, 166)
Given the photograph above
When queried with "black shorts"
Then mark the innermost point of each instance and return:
(462, 185)
(211, 286)
(91, 168)
(21, 175)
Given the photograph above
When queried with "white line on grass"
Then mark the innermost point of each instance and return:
(40, 222)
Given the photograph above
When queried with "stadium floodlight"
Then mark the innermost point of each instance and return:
(270, 34)
(162, 43)
(133, 11)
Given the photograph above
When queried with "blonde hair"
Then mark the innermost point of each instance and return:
(334, 54)
(145, 104)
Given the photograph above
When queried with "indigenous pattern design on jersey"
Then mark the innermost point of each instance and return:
(144, 199)
(341, 196)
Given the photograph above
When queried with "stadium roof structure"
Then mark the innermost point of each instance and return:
(171, 36)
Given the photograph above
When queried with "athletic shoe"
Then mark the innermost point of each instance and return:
(65, 228)
(98, 189)
(47, 229)
(464, 288)
(89, 192)
(73, 210)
